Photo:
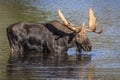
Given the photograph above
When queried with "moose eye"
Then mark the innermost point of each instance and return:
(83, 45)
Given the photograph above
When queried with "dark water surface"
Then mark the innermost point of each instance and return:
(102, 63)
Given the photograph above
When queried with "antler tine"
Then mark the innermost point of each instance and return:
(66, 23)
(93, 23)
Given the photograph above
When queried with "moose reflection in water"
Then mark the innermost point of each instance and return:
(35, 67)
(53, 37)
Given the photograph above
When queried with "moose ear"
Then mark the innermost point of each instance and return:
(81, 28)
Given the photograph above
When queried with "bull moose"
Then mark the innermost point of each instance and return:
(53, 37)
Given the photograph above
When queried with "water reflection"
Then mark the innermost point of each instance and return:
(36, 67)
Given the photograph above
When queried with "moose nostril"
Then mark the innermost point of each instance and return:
(90, 47)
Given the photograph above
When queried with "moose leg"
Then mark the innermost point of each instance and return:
(15, 53)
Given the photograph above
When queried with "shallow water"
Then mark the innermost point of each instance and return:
(102, 63)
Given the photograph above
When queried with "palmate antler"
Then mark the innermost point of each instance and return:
(92, 23)
(66, 23)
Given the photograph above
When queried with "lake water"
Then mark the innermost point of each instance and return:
(102, 63)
